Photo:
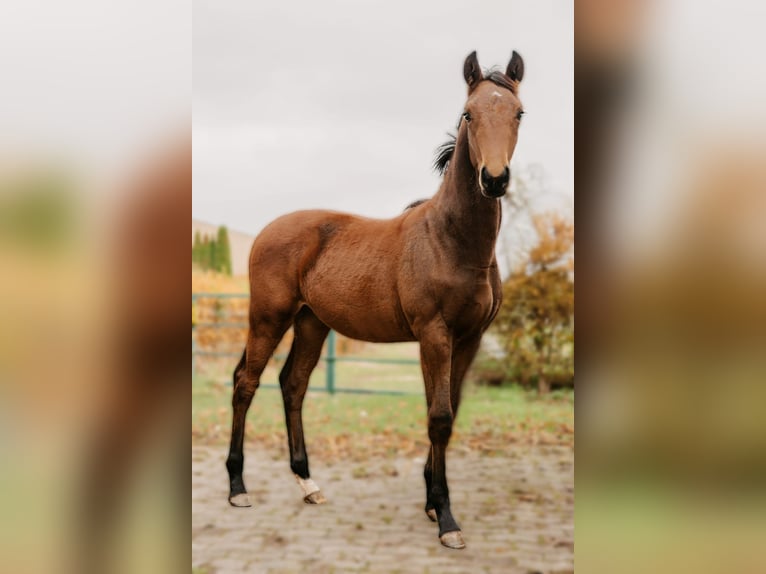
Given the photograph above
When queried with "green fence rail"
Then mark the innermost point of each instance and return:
(330, 357)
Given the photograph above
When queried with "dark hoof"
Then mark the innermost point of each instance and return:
(241, 500)
(315, 498)
(452, 539)
(431, 513)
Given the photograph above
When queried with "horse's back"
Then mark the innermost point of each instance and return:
(298, 237)
(344, 267)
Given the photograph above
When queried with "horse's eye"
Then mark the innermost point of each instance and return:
(467, 117)
(519, 114)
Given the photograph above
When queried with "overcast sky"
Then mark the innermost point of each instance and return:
(340, 104)
(96, 86)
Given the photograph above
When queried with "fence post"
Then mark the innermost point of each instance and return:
(330, 361)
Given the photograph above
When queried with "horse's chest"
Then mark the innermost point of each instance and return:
(468, 303)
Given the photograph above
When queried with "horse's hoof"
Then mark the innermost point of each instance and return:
(431, 513)
(311, 493)
(452, 539)
(241, 500)
(315, 498)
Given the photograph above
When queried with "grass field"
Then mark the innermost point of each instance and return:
(353, 375)
(489, 417)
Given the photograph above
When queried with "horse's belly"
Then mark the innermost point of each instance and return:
(374, 323)
(365, 312)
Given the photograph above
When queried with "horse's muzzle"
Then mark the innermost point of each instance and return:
(494, 187)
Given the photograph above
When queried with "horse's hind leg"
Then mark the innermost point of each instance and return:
(309, 333)
(261, 343)
(235, 461)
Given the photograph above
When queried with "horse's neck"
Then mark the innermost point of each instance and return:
(465, 217)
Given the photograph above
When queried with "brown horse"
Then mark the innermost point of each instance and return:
(429, 275)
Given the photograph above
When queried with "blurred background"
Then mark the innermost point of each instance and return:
(670, 207)
(95, 179)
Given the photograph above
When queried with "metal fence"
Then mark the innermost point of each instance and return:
(330, 356)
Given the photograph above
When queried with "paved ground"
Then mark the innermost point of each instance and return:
(516, 511)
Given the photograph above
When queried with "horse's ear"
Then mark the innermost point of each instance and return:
(515, 69)
(471, 70)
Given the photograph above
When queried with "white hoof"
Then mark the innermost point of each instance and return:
(241, 500)
(311, 494)
(431, 513)
(453, 539)
(315, 498)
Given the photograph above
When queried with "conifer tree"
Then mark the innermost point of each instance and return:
(197, 249)
(223, 251)
(212, 255)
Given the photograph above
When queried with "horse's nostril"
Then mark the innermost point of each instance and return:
(501, 179)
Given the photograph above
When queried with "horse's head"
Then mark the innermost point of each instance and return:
(491, 119)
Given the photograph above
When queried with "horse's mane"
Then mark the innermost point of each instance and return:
(415, 204)
(445, 151)
(444, 154)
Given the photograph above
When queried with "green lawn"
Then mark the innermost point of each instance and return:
(510, 412)
(348, 374)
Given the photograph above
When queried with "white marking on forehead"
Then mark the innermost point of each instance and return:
(497, 94)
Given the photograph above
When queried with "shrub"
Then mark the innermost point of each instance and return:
(535, 323)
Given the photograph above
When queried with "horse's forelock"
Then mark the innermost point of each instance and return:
(500, 79)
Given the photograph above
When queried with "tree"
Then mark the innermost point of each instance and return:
(212, 254)
(536, 319)
(197, 249)
(223, 251)
(530, 195)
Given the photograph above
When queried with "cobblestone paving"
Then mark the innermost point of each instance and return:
(516, 511)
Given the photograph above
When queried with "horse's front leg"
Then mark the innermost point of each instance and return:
(463, 354)
(435, 358)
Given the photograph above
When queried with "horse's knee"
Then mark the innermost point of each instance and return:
(440, 425)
